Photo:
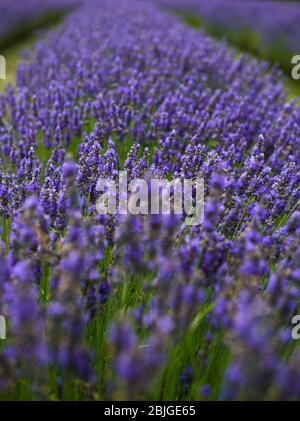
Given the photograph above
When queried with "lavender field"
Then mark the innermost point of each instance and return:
(98, 306)
(266, 28)
(17, 16)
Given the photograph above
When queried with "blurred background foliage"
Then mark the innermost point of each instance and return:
(246, 40)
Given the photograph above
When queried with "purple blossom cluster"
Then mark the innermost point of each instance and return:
(133, 307)
(15, 13)
(274, 21)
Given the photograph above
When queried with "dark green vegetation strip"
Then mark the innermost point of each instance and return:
(27, 29)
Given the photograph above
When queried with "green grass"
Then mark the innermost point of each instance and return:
(26, 29)
(12, 56)
(293, 87)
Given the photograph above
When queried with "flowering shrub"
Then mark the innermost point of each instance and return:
(267, 28)
(132, 307)
(15, 14)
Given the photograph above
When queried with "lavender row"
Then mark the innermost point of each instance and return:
(276, 23)
(119, 306)
(17, 13)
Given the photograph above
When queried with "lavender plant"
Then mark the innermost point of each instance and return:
(14, 13)
(142, 306)
(266, 28)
